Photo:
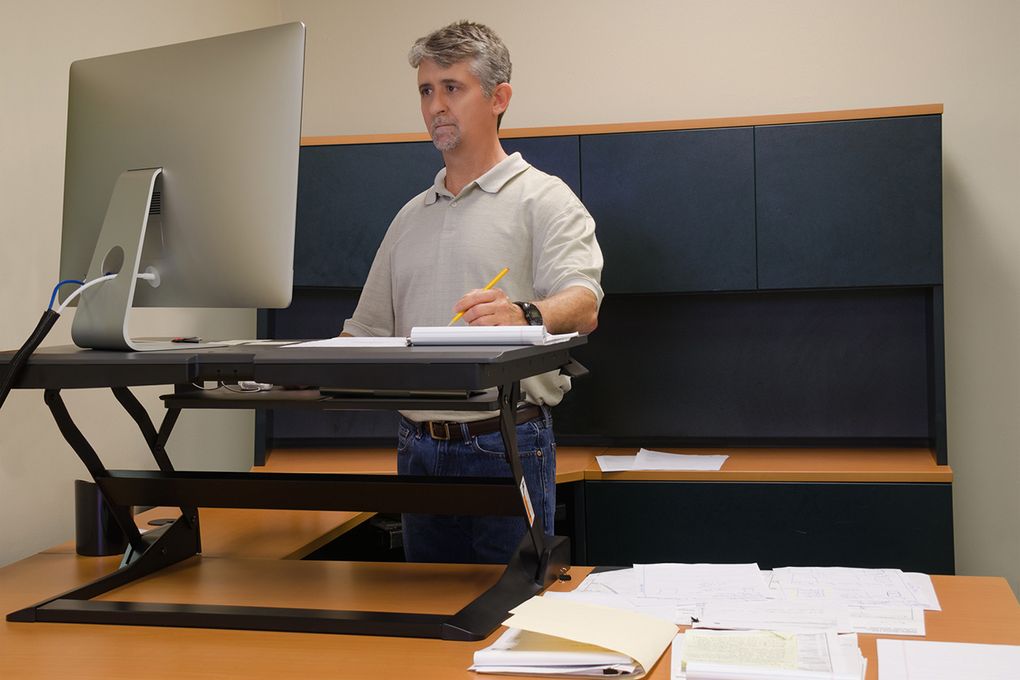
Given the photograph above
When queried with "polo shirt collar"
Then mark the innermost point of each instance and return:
(491, 182)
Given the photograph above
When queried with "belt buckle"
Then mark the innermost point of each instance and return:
(443, 434)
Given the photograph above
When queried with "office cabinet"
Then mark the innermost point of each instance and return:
(766, 283)
(745, 368)
(849, 203)
(347, 196)
(776, 283)
(907, 526)
(675, 210)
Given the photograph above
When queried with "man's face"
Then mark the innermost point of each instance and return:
(456, 111)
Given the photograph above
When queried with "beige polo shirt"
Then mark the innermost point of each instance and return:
(440, 246)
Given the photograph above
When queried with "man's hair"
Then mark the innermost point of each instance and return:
(489, 57)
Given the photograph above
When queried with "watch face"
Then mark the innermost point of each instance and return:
(531, 314)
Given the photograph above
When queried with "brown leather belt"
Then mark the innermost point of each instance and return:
(452, 431)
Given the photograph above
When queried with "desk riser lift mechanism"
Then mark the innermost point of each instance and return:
(539, 560)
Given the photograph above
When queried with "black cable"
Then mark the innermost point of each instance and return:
(20, 358)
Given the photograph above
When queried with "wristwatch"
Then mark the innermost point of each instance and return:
(532, 314)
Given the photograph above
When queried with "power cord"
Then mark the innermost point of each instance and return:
(42, 329)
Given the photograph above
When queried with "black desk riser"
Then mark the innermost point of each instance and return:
(537, 562)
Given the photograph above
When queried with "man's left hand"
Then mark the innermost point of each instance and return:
(489, 308)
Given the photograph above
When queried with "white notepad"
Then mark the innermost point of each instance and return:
(486, 335)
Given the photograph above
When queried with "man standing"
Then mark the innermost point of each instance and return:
(485, 211)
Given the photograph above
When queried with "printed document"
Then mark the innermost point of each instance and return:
(622, 586)
(804, 616)
(849, 584)
(913, 659)
(702, 582)
(754, 655)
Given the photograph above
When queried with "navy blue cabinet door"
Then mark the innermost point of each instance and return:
(853, 203)
(347, 196)
(674, 211)
(555, 155)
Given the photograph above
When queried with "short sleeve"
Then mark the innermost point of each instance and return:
(566, 252)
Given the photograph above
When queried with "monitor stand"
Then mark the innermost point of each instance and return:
(101, 321)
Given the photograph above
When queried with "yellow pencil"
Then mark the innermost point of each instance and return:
(488, 286)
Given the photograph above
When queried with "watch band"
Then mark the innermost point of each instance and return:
(532, 314)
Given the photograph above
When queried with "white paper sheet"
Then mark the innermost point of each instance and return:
(806, 616)
(617, 581)
(845, 584)
(660, 460)
(882, 620)
(699, 583)
(615, 463)
(362, 341)
(664, 609)
(777, 615)
(923, 590)
(264, 342)
(923, 660)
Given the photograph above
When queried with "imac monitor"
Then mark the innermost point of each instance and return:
(182, 166)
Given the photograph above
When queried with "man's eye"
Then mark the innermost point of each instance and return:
(451, 88)
(426, 91)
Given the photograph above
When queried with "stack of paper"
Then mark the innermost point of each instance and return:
(741, 597)
(522, 651)
(485, 335)
(793, 616)
(551, 636)
(660, 460)
(753, 655)
(673, 592)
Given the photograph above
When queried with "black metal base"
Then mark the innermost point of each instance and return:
(526, 575)
(539, 559)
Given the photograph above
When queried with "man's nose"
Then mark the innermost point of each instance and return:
(438, 104)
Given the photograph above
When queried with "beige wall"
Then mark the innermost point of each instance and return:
(574, 62)
(38, 41)
(596, 61)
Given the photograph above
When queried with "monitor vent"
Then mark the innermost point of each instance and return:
(155, 207)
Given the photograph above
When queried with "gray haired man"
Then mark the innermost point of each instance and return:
(485, 210)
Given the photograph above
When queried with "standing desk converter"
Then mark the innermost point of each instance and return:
(400, 374)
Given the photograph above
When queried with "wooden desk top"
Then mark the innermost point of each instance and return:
(800, 465)
(256, 534)
(572, 462)
(576, 463)
(975, 609)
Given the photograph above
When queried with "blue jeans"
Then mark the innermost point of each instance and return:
(474, 538)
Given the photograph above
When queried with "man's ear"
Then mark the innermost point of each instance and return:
(501, 97)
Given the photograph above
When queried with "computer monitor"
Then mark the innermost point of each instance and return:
(182, 161)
